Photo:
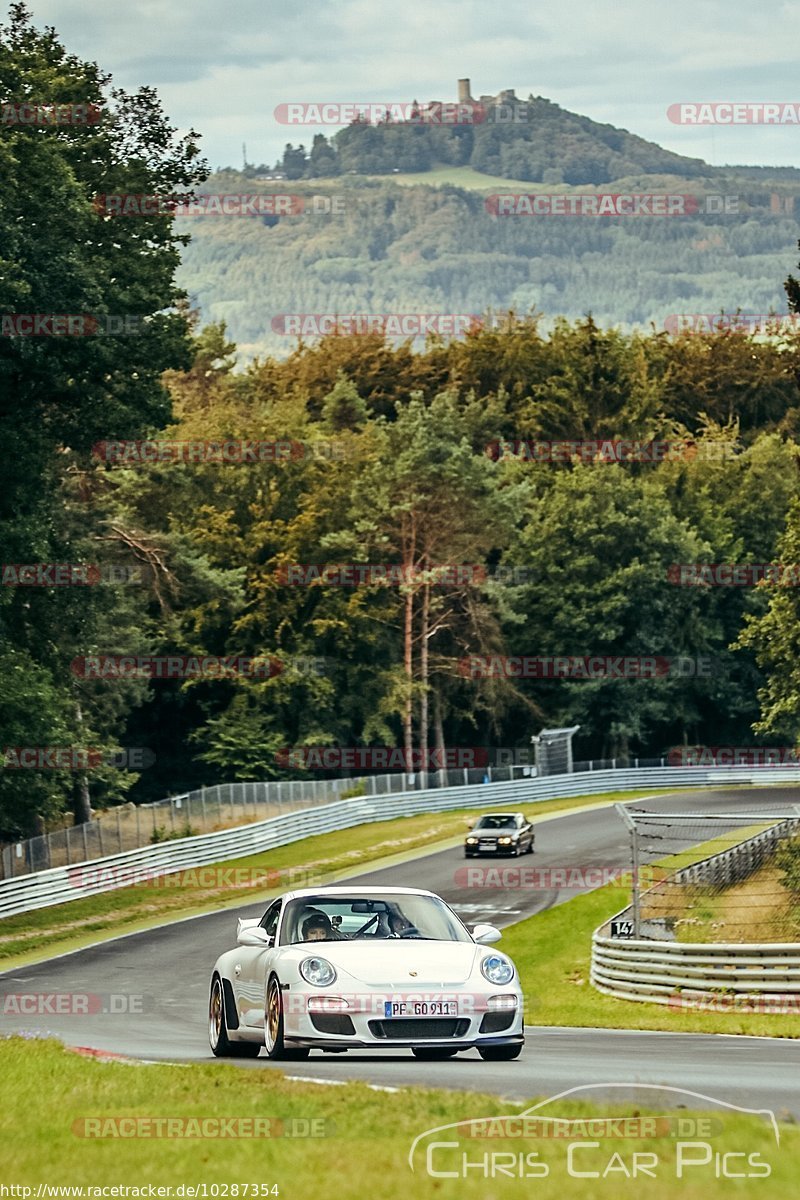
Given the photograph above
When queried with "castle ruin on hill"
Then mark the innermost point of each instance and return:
(507, 96)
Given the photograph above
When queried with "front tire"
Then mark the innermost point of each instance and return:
(221, 1044)
(432, 1053)
(499, 1053)
(273, 1025)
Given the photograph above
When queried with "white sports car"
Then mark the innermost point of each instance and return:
(345, 968)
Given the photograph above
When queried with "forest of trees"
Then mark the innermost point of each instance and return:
(388, 248)
(192, 557)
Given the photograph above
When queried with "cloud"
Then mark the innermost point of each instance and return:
(224, 68)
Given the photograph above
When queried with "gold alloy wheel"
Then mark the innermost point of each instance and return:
(215, 1014)
(273, 1021)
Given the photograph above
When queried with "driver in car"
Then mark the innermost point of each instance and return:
(318, 928)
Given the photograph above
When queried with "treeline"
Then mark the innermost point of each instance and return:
(393, 460)
(534, 140)
(387, 248)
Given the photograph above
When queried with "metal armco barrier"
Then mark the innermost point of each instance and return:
(703, 974)
(62, 884)
(686, 974)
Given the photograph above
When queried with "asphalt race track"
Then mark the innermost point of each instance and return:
(166, 973)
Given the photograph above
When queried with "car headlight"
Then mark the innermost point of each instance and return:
(505, 841)
(497, 969)
(472, 841)
(317, 971)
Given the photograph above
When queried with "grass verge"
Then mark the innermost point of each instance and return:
(47, 1094)
(552, 951)
(38, 934)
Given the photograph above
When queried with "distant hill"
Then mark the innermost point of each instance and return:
(395, 219)
(534, 140)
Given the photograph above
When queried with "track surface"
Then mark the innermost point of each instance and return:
(166, 971)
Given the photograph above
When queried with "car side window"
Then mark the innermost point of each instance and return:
(269, 921)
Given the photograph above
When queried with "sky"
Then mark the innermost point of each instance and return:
(224, 68)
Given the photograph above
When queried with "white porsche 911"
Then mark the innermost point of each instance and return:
(355, 968)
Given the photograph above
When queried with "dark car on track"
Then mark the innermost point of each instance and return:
(500, 833)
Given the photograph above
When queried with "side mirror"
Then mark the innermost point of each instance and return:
(485, 934)
(254, 937)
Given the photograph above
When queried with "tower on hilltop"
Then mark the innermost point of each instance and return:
(464, 96)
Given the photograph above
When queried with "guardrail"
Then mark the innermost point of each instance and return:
(67, 883)
(694, 974)
(209, 809)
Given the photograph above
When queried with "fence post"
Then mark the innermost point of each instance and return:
(100, 837)
(85, 843)
(66, 843)
(203, 807)
(119, 828)
(631, 824)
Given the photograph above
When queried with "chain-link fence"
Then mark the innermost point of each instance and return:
(129, 826)
(716, 877)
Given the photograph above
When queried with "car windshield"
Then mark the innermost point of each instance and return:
(347, 918)
(496, 821)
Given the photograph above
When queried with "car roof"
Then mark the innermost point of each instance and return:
(358, 891)
(497, 814)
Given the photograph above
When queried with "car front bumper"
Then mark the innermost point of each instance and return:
(364, 1024)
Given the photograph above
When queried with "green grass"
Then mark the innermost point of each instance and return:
(475, 181)
(34, 936)
(47, 1093)
(463, 177)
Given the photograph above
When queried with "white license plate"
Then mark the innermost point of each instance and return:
(420, 1008)
(489, 847)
